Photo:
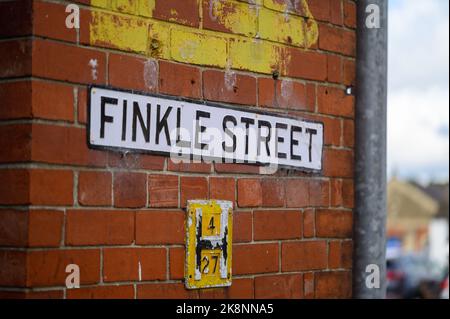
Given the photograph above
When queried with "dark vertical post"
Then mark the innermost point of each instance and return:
(370, 149)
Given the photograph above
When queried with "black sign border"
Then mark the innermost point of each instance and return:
(201, 102)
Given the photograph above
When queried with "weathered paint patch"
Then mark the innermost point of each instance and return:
(289, 29)
(151, 74)
(159, 40)
(117, 31)
(198, 48)
(236, 17)
(258, 56)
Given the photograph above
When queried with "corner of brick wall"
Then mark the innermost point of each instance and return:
(62, 203)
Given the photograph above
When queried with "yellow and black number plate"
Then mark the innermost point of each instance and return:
(209, 230)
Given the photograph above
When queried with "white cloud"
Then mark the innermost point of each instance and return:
(418, 103)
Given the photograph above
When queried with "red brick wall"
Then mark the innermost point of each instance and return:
(63, 203)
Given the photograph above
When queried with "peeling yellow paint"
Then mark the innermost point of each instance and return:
(121, 32)
(258, 56)
(159, 40)
(237, 17)
(146, 7)
(198, 48)
(289, 29)
(257, 50)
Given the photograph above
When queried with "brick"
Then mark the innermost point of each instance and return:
(336, 199)
(136, 161)
(338, 163)
(102, 292)
(163, 191)
(16, 100)
(283, 94)
(255, 258)
(45, 294)
(349, 14)
(62, 97)
(176, 262)
(275, 26)
(14, 188)
(198, 48)
(273, 193)
(276, 225)
(231, 17)
(226, 168)
(340, 254)
(349, 133)
(222, 188)
(15, 58)
(130, 190)
(51, 187)
(307, 65)
(333, 285)
(164, 291)
(68, 63)
(13, 271)
(334, 223)
(49, 20)
(184, 12)
(349, 72)
(114, 31)
(15, 143)
(320, 9)
(332, 131)
(307, 193)
(336, 12)
(133, 73)
(45, 228)
(279, 287)
(179, 80)
(242, 288)
(229, 87)
(242, 227)
(94, 188)
(82, 105)
(308, 285)
(348, 193)
(16, 18)
(89, 227)
(48, 268)
(300, 256)
(258, 56)
(165, 227)
(129, 264)
(334, 63)
(13, 228)
(309, 224)
(337, 40)
(63, 145)
(192, 167)
(334, 101)
(193, 188)
(249, 192)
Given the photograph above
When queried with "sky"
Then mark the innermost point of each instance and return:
(418, 95)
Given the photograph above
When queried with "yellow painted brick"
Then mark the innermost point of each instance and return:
(159, 40)
(146, 7)
(117, 31)
(237, 17)
(125, 6)
(99, 3)
(278, 5)
(280, 27)
(198, 48)
(257, 56)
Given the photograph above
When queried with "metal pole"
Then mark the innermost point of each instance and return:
(370, 151)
